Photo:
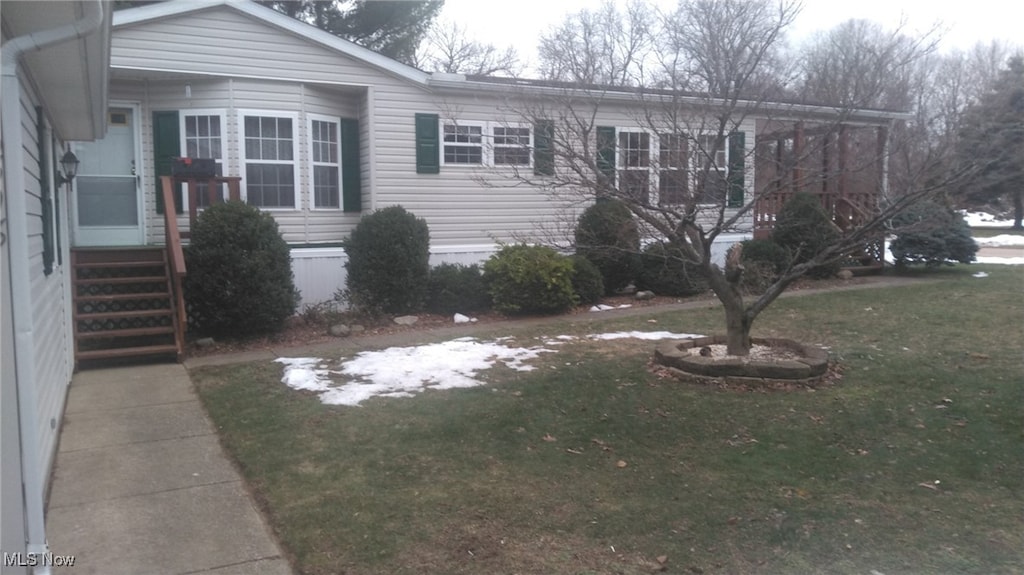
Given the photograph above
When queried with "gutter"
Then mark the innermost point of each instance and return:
(18, 264)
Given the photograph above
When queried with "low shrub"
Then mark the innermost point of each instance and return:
(804, 229)
(529, 279)
(388, 262)
(239, 278)
(587, 283)
(932, 234)
(456, 288)
(763, 261)
(608, 236)
(665, 271)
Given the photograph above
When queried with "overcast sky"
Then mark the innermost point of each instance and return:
(965, 22)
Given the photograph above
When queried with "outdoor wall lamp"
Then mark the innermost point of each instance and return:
(69, 166)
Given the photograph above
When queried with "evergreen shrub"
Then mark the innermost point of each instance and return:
(529, 279)
(665, 271)
(804, 229)
(607, 235)
(763, 261)
(932, 234)
(456, 288)
(388, 262)
(239, 279)
(587, 283)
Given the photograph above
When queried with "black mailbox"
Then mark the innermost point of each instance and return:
(194, 167)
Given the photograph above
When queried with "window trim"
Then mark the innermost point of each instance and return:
(183, 144)
(529, 145)
(311, 165)
(444, 144)
(244, 160)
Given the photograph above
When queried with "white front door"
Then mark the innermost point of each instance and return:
(108, 191)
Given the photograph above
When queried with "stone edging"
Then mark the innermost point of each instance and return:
(809, 368)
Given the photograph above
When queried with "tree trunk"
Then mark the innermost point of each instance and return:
(1018, 209)
(737, 328)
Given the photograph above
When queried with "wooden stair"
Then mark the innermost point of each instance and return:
(123, 305)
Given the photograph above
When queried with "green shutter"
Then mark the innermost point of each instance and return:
(44, 193)
(606, 154)
(166, 145)
(428, 160)
(56, 205)
(544, 148)
(737, 163)
(351, 177)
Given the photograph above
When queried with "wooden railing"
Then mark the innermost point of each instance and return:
(176, 259)
(213, 194)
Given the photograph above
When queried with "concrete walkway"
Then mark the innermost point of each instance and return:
(142, 486)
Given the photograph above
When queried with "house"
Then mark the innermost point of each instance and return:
(56, 58)
(318, 132)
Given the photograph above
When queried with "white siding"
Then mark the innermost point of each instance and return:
(51, 332)
(224, 42)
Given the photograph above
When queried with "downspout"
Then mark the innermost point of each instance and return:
(18, 263)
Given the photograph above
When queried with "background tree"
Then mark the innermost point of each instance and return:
(448, 48)
(393, 28)
(992, 141)
(605, 46)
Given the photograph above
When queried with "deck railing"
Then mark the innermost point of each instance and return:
(176, 259)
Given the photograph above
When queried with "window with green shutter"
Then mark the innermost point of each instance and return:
(737, 163)
(166, 146)
(428, 159)
(351, 176)
(544, 148)
(45, 197)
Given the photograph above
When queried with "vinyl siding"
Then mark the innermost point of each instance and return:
(50, 328)
(223, 42)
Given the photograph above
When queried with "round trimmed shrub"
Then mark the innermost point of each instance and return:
(804, 229)
(608, 236)
(239, 278)
(665, 271)
(529, 279)
(388, 262)
(587, 283)
(932, 234)
(763, 261)
(456, 288)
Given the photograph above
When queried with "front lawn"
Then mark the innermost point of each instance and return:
(912, 463)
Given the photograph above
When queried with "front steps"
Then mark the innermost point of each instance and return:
(122, 304)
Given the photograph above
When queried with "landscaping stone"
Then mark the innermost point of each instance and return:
(406, 319)
(808, 369)
(644, 295)
(205, 342)
(845, 275)
(339, 330)
(459, 318)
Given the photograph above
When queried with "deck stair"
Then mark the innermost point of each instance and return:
(123, 305)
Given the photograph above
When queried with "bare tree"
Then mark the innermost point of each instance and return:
(684, 168)
(603, 46)
(448, 48)
(860, 64)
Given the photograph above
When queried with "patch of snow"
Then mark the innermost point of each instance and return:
(404, 371)
(459, 318)
(605, 307)
(1001, 240)
(979, 275)
(997, 260)
(647, 335)
(983, 220)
